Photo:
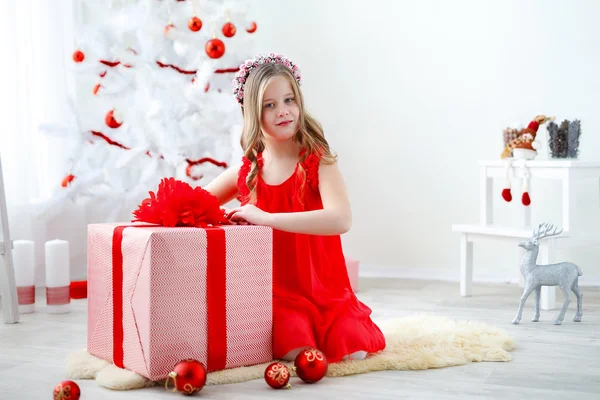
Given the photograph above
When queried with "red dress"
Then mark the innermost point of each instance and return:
(313, 303)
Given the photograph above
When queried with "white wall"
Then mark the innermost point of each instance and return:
(415, 92)
(403, 87)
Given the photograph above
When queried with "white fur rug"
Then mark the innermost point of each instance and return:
(413, 343)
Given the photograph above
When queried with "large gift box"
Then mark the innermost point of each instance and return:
(158, 295)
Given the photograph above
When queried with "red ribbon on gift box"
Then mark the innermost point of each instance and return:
(216, 296)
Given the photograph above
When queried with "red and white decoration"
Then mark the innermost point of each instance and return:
(24, 267)
(58, 276)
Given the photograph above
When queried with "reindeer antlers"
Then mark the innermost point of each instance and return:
(543, 230)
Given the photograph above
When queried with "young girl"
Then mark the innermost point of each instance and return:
(289, 180)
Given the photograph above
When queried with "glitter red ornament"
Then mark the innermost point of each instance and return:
(277, 375)
(110, 120)
(189, 377)
(229, 29)
(311, 365)
(195, 24)
(78, 56)
(67, 390)
(215, 48)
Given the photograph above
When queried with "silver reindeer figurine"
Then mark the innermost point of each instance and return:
(564, 275)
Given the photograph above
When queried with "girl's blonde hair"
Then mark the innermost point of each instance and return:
(309, 135)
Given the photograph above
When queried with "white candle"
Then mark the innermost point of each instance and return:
(24, 266)
(58, 276)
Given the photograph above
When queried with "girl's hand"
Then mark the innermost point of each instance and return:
(248, 214)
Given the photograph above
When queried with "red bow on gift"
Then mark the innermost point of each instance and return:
(176, 203)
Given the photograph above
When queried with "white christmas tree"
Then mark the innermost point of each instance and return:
(154, 99)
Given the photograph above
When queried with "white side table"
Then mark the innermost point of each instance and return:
(567, 171)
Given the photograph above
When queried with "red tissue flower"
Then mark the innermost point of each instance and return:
(176, 203)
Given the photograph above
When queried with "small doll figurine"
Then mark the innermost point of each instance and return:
(523, 147)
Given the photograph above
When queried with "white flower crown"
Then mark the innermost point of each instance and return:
(247, 66)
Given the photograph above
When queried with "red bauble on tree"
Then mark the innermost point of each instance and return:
(189, 377)
(111, 120)
(229, 29)
(215, 48)
(311, 365)
(277, 375)
(195, 24)
(66, 180)
(168, 28)
(67, 390)
(251, 28)
(78, 56)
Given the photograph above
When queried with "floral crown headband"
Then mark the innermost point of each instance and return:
(247, 66)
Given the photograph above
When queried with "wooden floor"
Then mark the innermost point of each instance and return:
(551, 362)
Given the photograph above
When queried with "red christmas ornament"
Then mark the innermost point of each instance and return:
(215, 48)
(195, 24)
(277, 375)
(110, 120)
(189, 377)
(229, 29)
(67, 390)
(78, 56)
(66, 180)
(251, 28)
(311, 365)
(168, 28)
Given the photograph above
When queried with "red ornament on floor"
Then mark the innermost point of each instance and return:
(110, 120)
(189, 377)
(67, 390)
(195, 24)
(215, 48)
(311, 365)
(277, 375)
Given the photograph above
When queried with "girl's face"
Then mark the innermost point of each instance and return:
(280, 111)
